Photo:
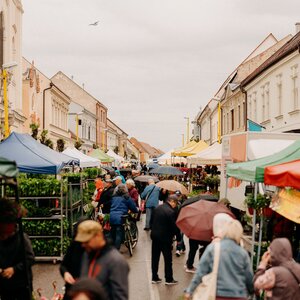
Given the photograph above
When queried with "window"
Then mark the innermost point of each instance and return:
(263, 112)
(279, 94)
(267, 101)
(254, 107)
(294, 76)
(250, 107)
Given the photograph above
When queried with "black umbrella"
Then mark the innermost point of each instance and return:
(166, 170)
(107, 168)
(145, 178)
(200, 197)
(125, 170)
(152, 166)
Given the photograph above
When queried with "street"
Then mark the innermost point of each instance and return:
(140, 286)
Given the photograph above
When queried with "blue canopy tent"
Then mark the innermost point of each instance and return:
(32, 156)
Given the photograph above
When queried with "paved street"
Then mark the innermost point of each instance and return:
(140, 286)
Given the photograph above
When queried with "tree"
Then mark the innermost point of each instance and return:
(78, 144)
(60, 145)
(35, 130)
(44, 139)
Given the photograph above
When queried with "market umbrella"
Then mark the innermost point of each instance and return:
(125, 170)
(196, 220)
(208, 197)
(152, 166)
(172, 185)
(145, 178)
(166, 170)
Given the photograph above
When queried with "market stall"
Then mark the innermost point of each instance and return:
(85, 160)
(32, 156)
(102, 156)
(118, 159)
(212, 155)
(201, 145)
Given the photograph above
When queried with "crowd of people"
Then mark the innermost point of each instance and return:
(94, 268)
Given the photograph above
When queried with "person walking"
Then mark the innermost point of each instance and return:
(151, 196)
(121, 203)
(234, 275)
(278, 274)
(133, 193)
(101, 261)
(163, 231)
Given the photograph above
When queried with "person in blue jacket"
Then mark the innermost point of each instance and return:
(121, 203)
(151, 196)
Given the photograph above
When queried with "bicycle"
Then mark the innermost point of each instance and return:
(130, 232)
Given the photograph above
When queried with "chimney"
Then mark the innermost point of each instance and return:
(297, 27)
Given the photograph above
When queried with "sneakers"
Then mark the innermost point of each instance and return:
(172, 282)
(177, 253)
(157, 280)
(192, 270)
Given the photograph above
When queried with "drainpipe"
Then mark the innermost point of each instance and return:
(246, 108)
(44, 92)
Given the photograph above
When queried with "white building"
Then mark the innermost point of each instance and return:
(272, 90)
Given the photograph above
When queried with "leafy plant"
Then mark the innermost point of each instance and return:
(260, 202)
(78, 144)
(60, 145)
(35, 130)
(45, 140)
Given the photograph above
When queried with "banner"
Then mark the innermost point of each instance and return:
(287, 203)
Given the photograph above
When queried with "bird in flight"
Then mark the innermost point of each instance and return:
(94, 24)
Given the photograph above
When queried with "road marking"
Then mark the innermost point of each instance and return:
(153, 290)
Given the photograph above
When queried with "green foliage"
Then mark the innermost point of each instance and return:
(35, 187)
(260, 202)
(35, 130)
(78, 144)
(60, 145)
(44, 139)
(92, 173)
(95, 146)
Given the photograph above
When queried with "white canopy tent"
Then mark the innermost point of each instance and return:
(209, 156)
(168, 159)
(118, 159)
(85, 160)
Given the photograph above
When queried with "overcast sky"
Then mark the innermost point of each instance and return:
(152, 62)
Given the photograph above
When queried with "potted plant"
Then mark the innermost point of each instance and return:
(261, 202)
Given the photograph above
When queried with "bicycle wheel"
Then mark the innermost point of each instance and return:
(128, 241)
(134, 233)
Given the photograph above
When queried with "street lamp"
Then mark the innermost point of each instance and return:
(5, 99)
(187, 129)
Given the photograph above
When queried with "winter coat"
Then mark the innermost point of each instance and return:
(119, 207)
(110, 268)
(163, 224)
(234, 271)
(105, 199)
(11, 255)
(133, 193)
(153, 198)
(282, 280)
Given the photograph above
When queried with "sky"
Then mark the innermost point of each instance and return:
(152, 63)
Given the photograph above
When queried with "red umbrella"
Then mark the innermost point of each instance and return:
(196, 220)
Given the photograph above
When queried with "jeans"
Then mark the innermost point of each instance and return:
(117, 235)
(149, 211)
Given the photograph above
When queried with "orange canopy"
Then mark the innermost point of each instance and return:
(287, 174)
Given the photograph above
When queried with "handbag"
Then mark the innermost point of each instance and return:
(207, 289)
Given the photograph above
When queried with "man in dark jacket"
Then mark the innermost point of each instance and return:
(15, 272)
(163, 230)
(102, 261)
(106, 196)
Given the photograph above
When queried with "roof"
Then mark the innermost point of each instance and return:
(144, 147)
(289, 47)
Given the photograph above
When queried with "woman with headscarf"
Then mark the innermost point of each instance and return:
(278, 274)
(234, 275)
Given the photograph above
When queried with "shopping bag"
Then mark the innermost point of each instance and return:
(206, 290)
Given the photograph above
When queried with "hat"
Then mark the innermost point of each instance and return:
(86, 230)
(89, 285)
(108, 180)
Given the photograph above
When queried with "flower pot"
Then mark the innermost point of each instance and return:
(267, 212)
(250, 210)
